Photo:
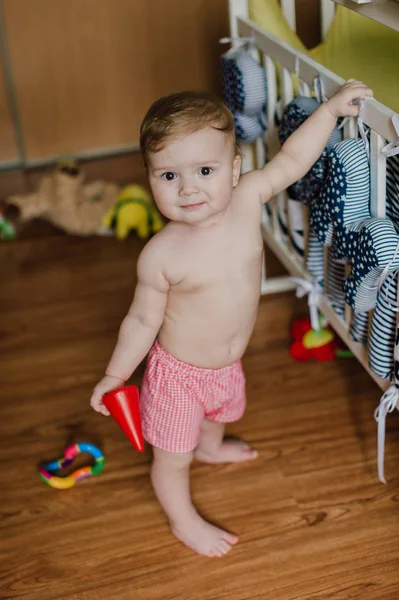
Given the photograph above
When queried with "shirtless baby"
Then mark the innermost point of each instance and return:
(198, 289)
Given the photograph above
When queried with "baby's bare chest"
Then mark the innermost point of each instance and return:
(219, 261)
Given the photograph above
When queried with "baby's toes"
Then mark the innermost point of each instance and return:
(224, 547)
(230, 538)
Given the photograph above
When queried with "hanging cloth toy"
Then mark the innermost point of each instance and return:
(390, 399)
(245, 89)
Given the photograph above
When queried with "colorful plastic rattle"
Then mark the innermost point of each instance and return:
(123, 404)
(64, 483)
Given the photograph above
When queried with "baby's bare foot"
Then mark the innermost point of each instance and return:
(204, 538)
(229, 451)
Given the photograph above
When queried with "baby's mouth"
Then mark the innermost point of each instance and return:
(192, 206)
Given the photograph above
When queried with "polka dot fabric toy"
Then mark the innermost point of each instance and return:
(245, 93)
(383, 329)
(248, 128)
(343, 220)
(371, 249)
(244, 82)
(383, 324)
(345, 196)
(307, 189)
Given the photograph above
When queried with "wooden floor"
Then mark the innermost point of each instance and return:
(314, 521)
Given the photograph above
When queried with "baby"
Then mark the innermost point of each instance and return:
(198, 289)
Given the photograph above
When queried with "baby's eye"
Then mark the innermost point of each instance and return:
(206, 170)
(169, 176)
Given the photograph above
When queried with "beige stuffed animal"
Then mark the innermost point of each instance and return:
(64, 200)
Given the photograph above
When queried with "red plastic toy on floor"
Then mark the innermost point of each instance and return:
(310, 343)
(123, 404)
(319, 344)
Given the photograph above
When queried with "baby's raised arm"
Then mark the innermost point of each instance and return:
(140, 326)
(304, 146)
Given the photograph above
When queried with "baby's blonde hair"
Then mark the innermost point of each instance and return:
(184, 113)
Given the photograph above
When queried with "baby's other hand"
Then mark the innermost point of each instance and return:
(106, 384)
(346, 102)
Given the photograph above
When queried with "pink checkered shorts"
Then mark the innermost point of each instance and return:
(175, 397)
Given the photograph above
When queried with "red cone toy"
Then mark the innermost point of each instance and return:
(123, 404)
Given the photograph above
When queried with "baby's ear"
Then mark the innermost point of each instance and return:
(236, 169)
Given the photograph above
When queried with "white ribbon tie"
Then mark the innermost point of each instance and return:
(314, 291)
(387, 404)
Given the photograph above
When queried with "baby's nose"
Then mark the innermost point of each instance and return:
(188, 187)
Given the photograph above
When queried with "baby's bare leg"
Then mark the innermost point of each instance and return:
(170, 476)
(213, 448)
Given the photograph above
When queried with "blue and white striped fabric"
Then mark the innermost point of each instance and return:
(249, 128)
(383, 329)
(244, 82)
(345, 196)
(335, 274)
(371, 247)
(396, 360)
(307, 189)
(295, 113)
(296, 220)
(315, 258)
(335, 293)
(359, 329)
(392, 190)
(343, 219)
(335, 277)
(383, 326)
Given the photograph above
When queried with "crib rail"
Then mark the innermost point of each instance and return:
(376, 115)
(273, 51)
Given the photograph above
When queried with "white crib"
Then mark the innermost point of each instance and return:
(375, 115)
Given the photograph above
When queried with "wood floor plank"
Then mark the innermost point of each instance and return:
(314, 521)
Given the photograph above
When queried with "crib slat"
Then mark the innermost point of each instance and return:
(287, 94)
(377, 176)
(304, 88)
(260, 153)
(350, 129)
(247, 157)
(287, 88)
(272, 140)
(288, 9)
(237, 8)
(271, 78)
(327, 14)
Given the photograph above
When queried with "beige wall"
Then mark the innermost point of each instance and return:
(8, 145)
(85, 71)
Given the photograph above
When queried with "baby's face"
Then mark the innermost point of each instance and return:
(193, 177)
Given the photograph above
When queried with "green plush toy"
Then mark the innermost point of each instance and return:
(134, 210)
(7, 230)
